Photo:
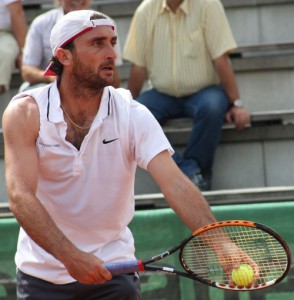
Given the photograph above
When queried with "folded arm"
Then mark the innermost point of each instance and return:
(35, 75)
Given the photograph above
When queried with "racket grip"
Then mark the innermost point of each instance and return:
(117, 268)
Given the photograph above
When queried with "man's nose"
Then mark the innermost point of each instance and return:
(111, 54)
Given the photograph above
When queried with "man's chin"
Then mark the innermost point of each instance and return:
(102, 83)
(109, 81)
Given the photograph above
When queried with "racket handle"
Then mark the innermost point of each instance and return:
(117, 268)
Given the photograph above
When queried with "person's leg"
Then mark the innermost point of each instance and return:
(161, 105)
(164, 107)
(122, 287)
(8, 54)
(207, 108)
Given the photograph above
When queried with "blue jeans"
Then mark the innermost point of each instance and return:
(207, 109)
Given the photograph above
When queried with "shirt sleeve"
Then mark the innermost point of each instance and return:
(137, 39)
(33, 50)
(147, 136)
(218, 34)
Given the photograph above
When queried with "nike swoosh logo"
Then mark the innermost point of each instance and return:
(109, 141)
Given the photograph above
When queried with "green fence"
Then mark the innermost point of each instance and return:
(8, 239)
(155, 231)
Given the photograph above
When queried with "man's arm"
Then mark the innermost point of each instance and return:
(187, 201)
(21, 163)
(35, 75)
(137, 77)
(19, 25)
(181, 194)
(239, 116)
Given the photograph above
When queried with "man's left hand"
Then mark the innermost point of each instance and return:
(239, 116)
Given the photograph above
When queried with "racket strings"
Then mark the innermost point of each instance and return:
(262, 248)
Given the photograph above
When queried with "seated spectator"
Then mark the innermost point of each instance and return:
(37, 52)
(13, 30)
(182, 46)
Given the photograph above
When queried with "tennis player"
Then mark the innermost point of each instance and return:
(71, 152)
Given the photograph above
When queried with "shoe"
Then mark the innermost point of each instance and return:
(198, 180)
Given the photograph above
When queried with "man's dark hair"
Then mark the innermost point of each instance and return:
(57, 66)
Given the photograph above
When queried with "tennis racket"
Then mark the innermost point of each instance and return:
(211, 253)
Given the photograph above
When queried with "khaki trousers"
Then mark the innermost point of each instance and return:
(9, 51)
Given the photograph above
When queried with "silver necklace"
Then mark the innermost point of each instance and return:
(72, 122)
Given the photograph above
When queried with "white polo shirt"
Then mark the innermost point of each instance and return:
(90, 192)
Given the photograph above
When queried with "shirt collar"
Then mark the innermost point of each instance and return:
(105, 105)
(183, 7)
(55, 113)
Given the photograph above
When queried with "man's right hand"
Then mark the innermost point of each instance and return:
(86, 268)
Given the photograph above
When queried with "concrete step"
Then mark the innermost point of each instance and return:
(265, 76)
(215, 198)
(259, 156)
(261, 22)
(252, 21)
(267, 144)
(223, 197)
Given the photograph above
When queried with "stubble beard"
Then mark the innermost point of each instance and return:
(85, 80)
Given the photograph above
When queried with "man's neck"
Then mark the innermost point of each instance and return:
(80, 97)
(174, 4)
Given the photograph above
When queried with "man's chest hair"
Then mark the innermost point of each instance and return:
(75, 136)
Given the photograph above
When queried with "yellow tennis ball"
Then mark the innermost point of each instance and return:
(243, 276)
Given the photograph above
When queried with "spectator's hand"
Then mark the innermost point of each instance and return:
(239, 116)
(49, 79)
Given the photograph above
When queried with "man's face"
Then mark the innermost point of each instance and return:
(71, 5)
(93, 58)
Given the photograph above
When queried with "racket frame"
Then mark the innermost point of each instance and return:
(147, 264)
(227, 223)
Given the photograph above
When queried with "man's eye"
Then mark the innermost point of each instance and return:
(97, 43)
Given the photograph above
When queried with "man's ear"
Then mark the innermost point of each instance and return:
(64, 56)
